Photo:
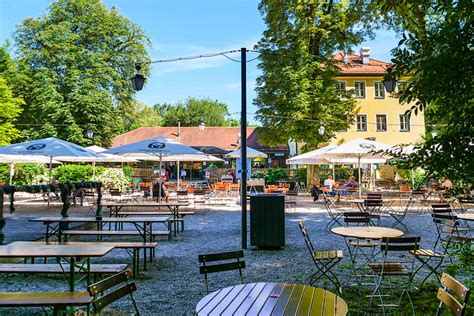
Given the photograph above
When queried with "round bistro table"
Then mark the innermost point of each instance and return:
(367, 232)
(466, 216)
(271, 299)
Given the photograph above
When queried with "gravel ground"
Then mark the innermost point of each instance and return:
(173, 285)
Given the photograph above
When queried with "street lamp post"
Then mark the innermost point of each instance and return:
(138, 81)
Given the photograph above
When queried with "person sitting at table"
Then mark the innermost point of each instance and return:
(156, 191)
(330, 184)
(315, 190)
(446, 184)
(351, 184)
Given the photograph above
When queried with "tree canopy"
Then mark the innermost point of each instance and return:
(436, 52)
(296, 91)
(193, 111)
(10, 106)
(74, 65)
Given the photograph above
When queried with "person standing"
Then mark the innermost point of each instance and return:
(183, 174)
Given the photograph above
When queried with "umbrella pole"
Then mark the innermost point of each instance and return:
(333, 172)
(177, 176)
(159, 187)
(12, 171)
(360, 178)
(93, 168)
(50, 169)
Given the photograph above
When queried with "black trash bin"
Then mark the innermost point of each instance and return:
(267, 221)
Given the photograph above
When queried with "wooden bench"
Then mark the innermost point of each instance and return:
(100, 233)
(135, 246)
(180, 219)
(61, 300)
(54, 268)
(58, 300)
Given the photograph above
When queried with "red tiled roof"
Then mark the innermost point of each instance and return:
(221, 137)
(356, 67)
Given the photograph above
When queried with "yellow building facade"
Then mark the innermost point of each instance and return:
(378, 115)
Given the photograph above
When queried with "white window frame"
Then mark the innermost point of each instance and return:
(386, 123)
(342, 81)
(365, 89)
(366, 123)
(375, 90)
(400, 123)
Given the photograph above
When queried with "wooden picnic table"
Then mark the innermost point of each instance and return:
(271, 299)
(466, 216)
(115, 208)
(55, 225)
(73, 254)
(367, 232)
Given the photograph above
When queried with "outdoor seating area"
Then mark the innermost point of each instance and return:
(207, 158)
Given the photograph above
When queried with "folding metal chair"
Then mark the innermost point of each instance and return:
(451, 285)
(324, 261)
(231, 261)
(336, 216)
(388, 269)
(399, 215)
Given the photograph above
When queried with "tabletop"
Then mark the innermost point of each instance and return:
(145, 204)
(367, 232)
(466, 216)
(271, 299)
(131, 219)
(33, 249)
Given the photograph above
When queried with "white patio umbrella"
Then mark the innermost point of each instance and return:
(251, 153)
(50, 147)
(13, 159)
(158, 147)
(357, 148)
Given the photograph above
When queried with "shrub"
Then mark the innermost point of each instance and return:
(128, 172)
(301, 175)
(275, 175)
(25, 173)
(73, 173)
(258, 175)
(113, 178)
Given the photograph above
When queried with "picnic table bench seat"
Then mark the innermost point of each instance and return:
(58, 300)
(98, 233)
(53, 268)
(139, 213)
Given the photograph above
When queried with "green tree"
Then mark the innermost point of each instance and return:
(436, 52)
(141, 115)
(10, 106)
(193, 111)
(296, 91)
(75, 63)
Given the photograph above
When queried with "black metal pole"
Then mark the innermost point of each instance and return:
(243, 145)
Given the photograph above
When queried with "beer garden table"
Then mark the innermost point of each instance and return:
(367, 232)
(466, 216)
(55, 225)
(114, 208)
(271, 299)
(72, 253)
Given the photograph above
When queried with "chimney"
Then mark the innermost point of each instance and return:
(364, 55)
(346, 58)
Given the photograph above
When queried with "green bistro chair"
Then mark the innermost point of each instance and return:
(451, 285)
(232, 261)
(324, 261)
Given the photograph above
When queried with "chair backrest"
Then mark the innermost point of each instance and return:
(357, 217)
(307, 240)
(451, 285)
(373, 199)
(400, 243)
(443, 208)
(232, 261)
(108, 290)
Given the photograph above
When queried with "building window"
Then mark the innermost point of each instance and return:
(340, 87)
(359, 89)
(379, 90)
(361, 122)
(381, 121)
(404, 123)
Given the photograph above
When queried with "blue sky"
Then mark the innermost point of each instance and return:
(186, 28)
